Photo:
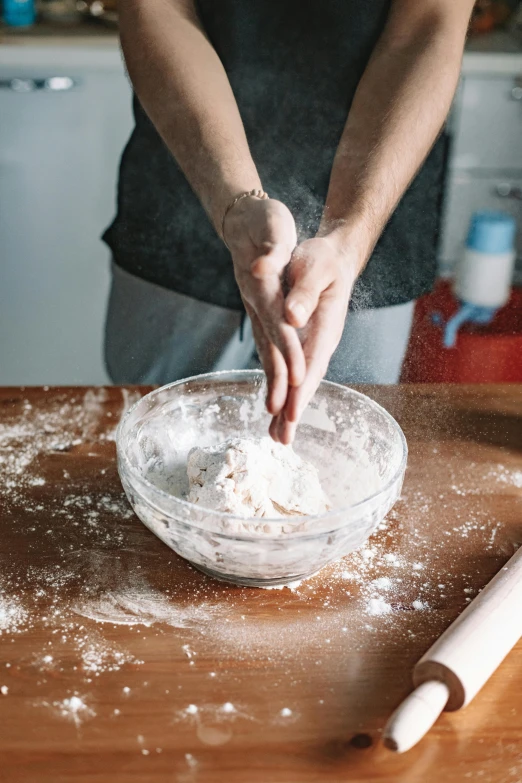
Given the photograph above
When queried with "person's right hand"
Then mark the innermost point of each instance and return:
(261, 236)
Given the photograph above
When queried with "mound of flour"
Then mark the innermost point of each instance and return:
(254, 477)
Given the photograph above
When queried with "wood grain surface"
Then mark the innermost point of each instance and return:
(119, 662)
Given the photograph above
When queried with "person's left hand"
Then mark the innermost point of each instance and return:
(321, 275)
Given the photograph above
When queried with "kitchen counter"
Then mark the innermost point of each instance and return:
(84, 45)
(499, 52)
(118, 661)
(496, 53)
(59, 34)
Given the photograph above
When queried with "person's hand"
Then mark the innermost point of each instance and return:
(261, 236)
(321, 277)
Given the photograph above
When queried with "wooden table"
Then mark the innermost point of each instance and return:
(119, 662)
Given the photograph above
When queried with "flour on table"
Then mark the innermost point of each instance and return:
(378, 606)
(254, 477)
(73, 708)
(140, 605)
(13, 616)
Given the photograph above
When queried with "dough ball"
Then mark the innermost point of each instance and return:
(254, 477)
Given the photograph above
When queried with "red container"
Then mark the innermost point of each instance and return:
(482, 354)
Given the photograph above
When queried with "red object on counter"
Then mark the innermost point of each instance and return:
(482, 354)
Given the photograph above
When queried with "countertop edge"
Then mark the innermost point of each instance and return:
(77, 53)
(504, 63)
(103, 51)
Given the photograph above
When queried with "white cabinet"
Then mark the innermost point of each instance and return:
(489, 128)
(485, 162)
(60, 143)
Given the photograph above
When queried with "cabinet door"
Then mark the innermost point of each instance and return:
(59, 152)
(467, 193)
(488, 130)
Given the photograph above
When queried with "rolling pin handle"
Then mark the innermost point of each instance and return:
(415, 716)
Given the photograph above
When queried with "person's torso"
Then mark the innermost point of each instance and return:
(294, 68)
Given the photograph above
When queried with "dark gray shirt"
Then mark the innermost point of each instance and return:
(294, 67)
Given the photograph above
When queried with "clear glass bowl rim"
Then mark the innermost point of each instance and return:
(246, 374)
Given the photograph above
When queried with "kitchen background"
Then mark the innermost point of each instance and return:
(65, 115)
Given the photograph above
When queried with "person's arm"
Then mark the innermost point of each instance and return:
(397, 113)
(183, 87)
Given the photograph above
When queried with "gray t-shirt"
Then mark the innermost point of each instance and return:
(294, 67)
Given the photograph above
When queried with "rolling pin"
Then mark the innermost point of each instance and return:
(456, 667)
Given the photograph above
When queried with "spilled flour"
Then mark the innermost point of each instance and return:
(144, 607)
(13, 616)
(102, 600)
(378, 606)
(73, 708)
(99, 657)
(215, 712)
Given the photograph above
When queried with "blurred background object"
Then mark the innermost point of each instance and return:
(66, 114)
(18, 13)
(58, 11)
(469, 330)
(458, 334)
(490, 14)
(515, 22)
(489, 353)
(484, 272)
(65, 108)
(105, 10)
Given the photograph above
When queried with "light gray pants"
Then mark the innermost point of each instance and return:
(155, 336)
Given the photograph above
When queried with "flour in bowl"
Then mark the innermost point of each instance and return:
(254, 477)
(236, 526)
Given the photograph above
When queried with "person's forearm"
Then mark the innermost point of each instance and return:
(184, 89)
(400, 106)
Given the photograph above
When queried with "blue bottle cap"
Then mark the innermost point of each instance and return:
(19, 13)
(491, 232)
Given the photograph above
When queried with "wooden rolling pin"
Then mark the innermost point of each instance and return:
(456, 667)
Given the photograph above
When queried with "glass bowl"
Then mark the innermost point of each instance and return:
(358, 449)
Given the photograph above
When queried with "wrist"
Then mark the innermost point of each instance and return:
(226, 192)
(349, 240)
(239, 206)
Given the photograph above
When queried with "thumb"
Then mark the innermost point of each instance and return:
(303, 298)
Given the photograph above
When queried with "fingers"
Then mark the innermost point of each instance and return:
(320, 343)
(277, 383)
(268, 303)
(281, 430)
(274, 366)
(269, 237)
(309, 280)
(287, 341)
(265, 297)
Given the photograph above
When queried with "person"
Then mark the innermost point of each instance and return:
(310, 135)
